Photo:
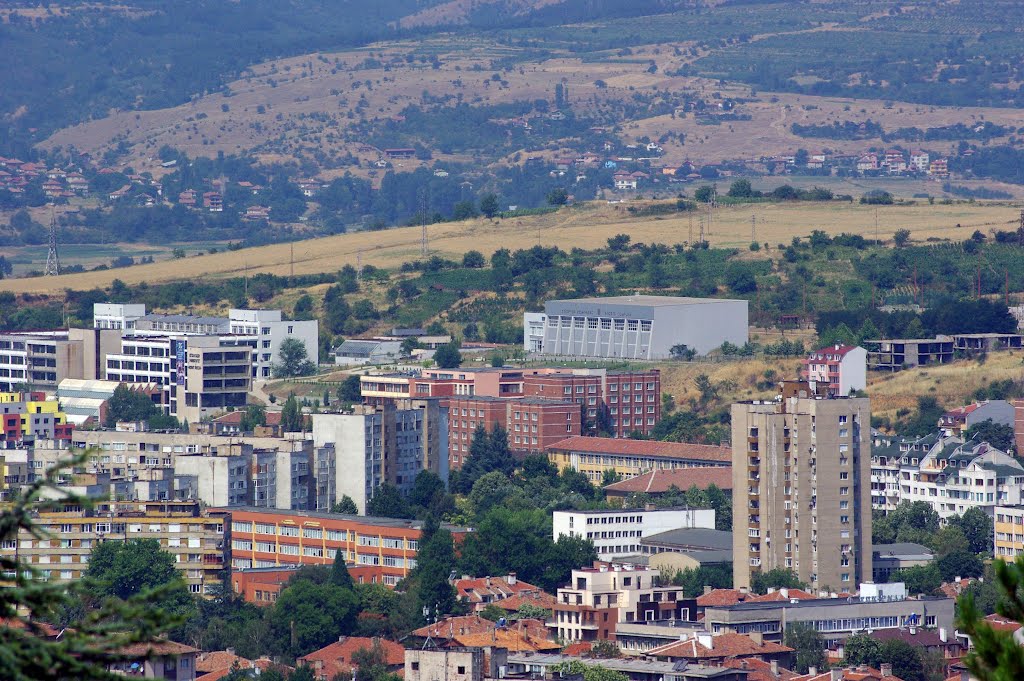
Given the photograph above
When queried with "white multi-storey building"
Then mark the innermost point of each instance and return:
(116, 316)
(618, 532)
(270, 331)
(955, 476)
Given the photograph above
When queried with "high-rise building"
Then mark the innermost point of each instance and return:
(357, 453)
(801, 488)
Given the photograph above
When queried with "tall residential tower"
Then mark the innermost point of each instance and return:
(802, 488)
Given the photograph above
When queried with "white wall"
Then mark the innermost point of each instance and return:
(853, 371)
(348, 434)
(574, 523)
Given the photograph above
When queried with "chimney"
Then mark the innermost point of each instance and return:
(885, 668)
(812, 671)
(913, 631)
(707, 589)
(706, 641)
(836, 674)
(775, 667)
(511, 579)
(942, 635)
(744, 591)
(757, 637)
(784, 592)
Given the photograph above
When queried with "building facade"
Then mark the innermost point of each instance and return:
(618, 532)
(265, 538)
(195, 539)
(270, 331)
(841, 368)
(634, 327)
(392, 443)
(801, 475)
(627, 458)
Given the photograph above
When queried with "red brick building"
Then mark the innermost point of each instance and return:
(265, 538)
(263, 585)
(619, 401)
(532, 424)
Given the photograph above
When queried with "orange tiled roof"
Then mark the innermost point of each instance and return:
(219, 659)
(509, 638)
(541, 599)
(465, 625)
(336, 658)
(578, 649)
(722, 646)
(1000, 623)
(759, 670)
(156, 649)
(609, 445)
(661, 480)
(719, 597)
(778, 596)
(476, 590)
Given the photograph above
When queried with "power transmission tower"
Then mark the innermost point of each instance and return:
(52, 258)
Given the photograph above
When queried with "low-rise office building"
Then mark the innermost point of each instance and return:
(879, 606)
(532, 666)
(888, 558)
(618, 532)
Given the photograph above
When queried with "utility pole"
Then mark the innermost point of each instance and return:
(753, 228)
(292, 260)
(689, 238)
(359, 266)
(423, 221)
(876, 225)
(52, 258)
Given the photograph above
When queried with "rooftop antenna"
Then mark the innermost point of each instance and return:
(52, 258)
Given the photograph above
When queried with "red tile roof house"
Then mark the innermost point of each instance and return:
(715, 650)
(660, 481)
(336, 658)
(942, 642)
(841, 367)
(759, 670)
(479, 592)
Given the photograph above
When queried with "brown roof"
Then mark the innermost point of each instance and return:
(156, 649)
(336, 658)
(719, 597)
(478, 590)
(661, 480)
(509, 638)
(457, 627)
(668, 450)
(722, 646)
(541, 599)
(778, 596)
(921, 637)
(219, 659)
(578, 649)
(759, 670)
(1000, 623)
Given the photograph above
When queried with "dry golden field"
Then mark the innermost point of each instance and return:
(585, 226)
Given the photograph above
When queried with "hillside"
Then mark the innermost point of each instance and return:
(584, 226)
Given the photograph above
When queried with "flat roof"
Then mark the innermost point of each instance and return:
(629, 447)
(619, 511)
(626, 665)
(821, 602)
(648, 300)
(704, 538)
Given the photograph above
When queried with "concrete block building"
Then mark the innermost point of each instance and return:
(802, 488)
(634, 327)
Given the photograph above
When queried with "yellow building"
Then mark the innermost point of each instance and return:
(1009, 532)
(194, 537)
(629, 458)
(31, 416)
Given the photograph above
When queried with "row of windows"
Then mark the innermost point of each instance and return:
(246, 527)
(555, 321)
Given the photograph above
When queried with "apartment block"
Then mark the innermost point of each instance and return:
(532, 424)
(801, 488)
(194, 537)
(357, 453)
(38, 360)
(618, 532)
(599, 597)
(27, 417)
(840, 368)
(264, 538)
(1008, 536)
(630, 458)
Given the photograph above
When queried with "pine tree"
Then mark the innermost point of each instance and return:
(339, 572)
